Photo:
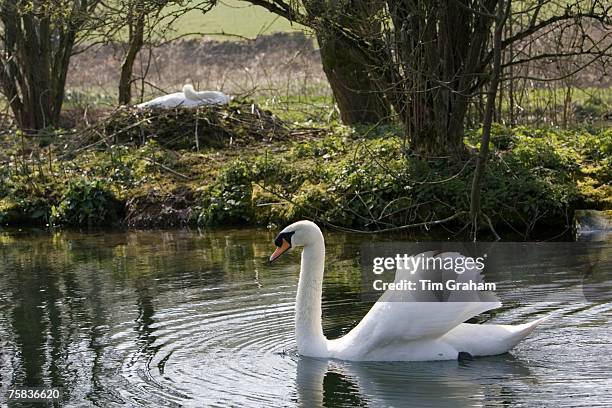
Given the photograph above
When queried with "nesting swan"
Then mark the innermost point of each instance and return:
(188, 98)
(395, 329)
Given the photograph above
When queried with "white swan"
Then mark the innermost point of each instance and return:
(188, 98)
(392, 330)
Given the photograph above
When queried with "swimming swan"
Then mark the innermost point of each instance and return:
(395, 329)
(188, 98)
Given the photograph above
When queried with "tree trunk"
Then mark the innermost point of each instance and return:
(436, 124)
(358, 98)
(35, 59)
(136, 41)
(439, 45)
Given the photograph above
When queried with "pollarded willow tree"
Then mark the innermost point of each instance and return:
(431, 58)
(37, 39)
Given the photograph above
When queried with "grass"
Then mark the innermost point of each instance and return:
(234, 17)
(545, 106)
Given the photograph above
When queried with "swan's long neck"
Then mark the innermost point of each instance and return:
(190, 93)
(308, 327)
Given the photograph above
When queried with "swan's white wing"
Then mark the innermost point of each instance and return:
(187, 100)
(390, 324)
(212, 98)
(422, 273)
(400, 317)
(191, 103)
(166, 101)
(204, 97)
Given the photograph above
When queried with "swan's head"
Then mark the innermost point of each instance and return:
(301, 233)
(190, 92)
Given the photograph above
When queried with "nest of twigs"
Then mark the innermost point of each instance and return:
(186, 128)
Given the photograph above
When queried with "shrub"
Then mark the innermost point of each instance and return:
(86, 203)
(228, 200)
(26, 199)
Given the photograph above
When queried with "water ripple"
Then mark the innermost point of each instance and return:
(170, 320)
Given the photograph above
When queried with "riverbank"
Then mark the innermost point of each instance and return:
(355, 178)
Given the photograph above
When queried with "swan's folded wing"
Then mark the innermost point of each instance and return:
(401, 322)
(405, 315)
(210, 98)
(172, 100)
(215, 98)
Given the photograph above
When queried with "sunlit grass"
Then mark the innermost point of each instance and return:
(235, 18)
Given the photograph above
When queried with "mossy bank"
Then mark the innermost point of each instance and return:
(355, 178)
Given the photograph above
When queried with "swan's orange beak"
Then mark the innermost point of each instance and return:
(280, 250)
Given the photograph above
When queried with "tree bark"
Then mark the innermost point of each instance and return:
(356, 94)
(439, 46)
(136, 41)
(35, 59)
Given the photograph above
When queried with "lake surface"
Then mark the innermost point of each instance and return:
(164, 319)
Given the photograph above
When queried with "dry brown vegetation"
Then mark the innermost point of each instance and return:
(280, 64)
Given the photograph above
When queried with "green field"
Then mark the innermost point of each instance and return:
(234, 17)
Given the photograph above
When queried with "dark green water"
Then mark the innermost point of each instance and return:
(163, 319)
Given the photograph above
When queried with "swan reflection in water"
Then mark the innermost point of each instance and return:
(484, 381)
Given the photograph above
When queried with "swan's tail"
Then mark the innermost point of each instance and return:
(490, 339)
(523, 330)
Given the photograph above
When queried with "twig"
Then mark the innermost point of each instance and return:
(168, 169)
(400, 228)
(486, 217)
